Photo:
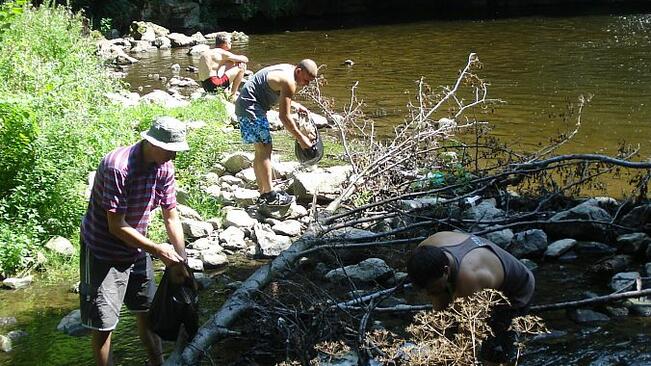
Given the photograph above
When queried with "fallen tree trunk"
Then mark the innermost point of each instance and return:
(240, 301)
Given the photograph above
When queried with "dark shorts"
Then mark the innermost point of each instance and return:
(500, 347)
(212, 83)
(254, 130)
(105, 286)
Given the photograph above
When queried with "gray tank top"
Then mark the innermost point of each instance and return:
(519, 282)
(256, 96)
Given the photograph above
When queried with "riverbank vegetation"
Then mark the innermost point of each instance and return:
(56, 124)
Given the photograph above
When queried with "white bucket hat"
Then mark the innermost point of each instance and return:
(168, 133)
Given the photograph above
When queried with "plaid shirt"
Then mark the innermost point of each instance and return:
(124, 185)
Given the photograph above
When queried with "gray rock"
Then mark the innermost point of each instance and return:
(237, 161)
(528, 243)
(326, 184)
(500, 238)
(233, 238)
(297, 211)
(245, 197)
(588, 231)
(195, 264)
(647, 270)
(624, 279)
(248, 176)
(289, 228)
(163, 43)
(617, 312)
(485, 211)
(18, 283)
(5, 344)
(637, 217)
(142, 46)
(634, 243)
(180, 40)
(212, 260)
(283, 170)
(529, 264)
(210, 244)
(7, 320)
(199, 38)
(269, 244)
(211, 178)
(559, 247)
(349, 233)
(164, 99)
(238, 218)
(368, 270)
(183, 82)
(587, 316)
(196, 229)
(71, 325)
(61, 245)
(198, 49)
(568, 256)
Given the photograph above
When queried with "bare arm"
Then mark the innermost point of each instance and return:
(174, 230)
(286, 94)
(234, 58)
(118, 226)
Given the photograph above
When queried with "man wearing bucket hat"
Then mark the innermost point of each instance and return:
(115, 262)
(272, 84)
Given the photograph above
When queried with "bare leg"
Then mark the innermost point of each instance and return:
(235, 75)
(149, 339)
(262, 166)
(101, 344)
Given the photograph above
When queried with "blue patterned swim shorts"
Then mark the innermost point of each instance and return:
(255, 130)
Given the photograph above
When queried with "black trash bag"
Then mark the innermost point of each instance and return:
(175, 303)
(311, 155)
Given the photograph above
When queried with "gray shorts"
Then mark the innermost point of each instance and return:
(105, 286)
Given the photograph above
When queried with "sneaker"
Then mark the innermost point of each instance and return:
(276, 198)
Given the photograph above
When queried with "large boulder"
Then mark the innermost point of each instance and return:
(269, 244)
(196, 229)
(326, 184)
(500, 238)
(212, 260)
(238, 218)
(198, 49)
(578, 230)
(61, 246)
(71, 324)
(369, 270)
(624, 280)
(17, 283)
(637, 218)
(162, 43)
(634, 243)
(559, 247)
(484, 211)
(180, 40)
(528, 243)
(289, 228)
(237, 161)
(164, 99)
(233, 238)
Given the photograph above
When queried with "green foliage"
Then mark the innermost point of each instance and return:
(105, 26)
(9, 10)
(16, 245)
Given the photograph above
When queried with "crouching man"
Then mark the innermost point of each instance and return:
(448, 265)
(115, 262)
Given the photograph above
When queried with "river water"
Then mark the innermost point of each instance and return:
(535, 64)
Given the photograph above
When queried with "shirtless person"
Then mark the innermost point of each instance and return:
(450, 264)
(265, 88)
(220, 68)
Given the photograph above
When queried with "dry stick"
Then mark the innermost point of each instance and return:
(588, 157)
(533, 309)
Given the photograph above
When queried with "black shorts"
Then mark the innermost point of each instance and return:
(105, 286)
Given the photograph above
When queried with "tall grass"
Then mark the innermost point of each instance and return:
(56, 124)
